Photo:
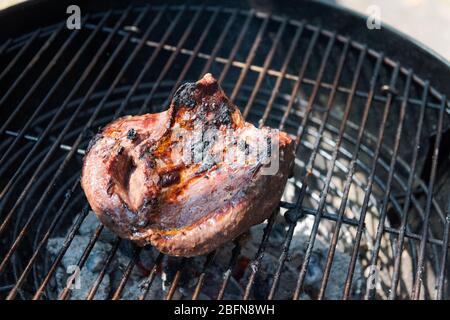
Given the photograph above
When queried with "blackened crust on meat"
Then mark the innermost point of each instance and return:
(131, 134)
(169, 178)
(93, 141)
(189, 94)
(207, 100)
(142, 193)
(185, 95)
(223, 114)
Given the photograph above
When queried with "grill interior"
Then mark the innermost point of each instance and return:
(369, 189)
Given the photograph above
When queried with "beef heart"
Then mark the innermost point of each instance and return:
(190, 178)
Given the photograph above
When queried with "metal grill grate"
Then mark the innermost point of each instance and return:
(359, 188)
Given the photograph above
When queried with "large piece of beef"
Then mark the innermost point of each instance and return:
(188, 179)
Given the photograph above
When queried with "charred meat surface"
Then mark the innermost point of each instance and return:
(190, 178)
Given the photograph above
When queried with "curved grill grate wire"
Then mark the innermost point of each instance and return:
(368, 194)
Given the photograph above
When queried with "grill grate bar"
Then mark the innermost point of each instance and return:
(300, 78)
(20, 53)
(102, 273)
(441, 279)
(256, 263)
(67, 241)
(321, 127)
(54, 147)
(166, 68)
(295, 214)
(170, 61)
(293, 94)
(219, 42)
(75, 146)
(13, 292)
(149, 281)
(126, 274)
(149, 63)
(237, 88)
(266, 66)
(227, 274)
(28, 137)
(422, 249)
(315, 91)
(313, 235)
(238, 43)
(383, 211)
(202, 276)
(19, 171)
(5, 45)
(92, 241)
(250, 57)
(236, 46)
(32, 63)
(212, 19)
(350, 174)
(115, 82)
(288, 76)
(324, 191)
(22, 103)
(186, 67)
(176, 280)
(397, 143)
(405, 213)
(282, 75)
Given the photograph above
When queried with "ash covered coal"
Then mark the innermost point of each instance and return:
(193, 267)
(290, 271)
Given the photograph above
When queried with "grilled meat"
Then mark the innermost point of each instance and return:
(188, 179)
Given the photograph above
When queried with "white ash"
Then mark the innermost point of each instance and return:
(290, 272)
(88, 274)
(193, 267)
(135, 284)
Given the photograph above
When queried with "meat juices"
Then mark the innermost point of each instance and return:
(188, 179)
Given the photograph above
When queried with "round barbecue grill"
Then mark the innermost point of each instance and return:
(365, 215)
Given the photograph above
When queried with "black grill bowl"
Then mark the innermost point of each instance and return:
(366, 214)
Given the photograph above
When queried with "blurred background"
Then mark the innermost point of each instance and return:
(425, 20)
